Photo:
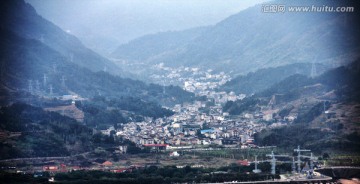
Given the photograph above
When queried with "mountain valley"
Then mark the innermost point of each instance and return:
(200, 104)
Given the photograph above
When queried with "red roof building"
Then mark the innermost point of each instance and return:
(107, 163)
(244, 162)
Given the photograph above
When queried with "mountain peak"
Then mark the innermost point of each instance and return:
(22, 19)
(253, 39)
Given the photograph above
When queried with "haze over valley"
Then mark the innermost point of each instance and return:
(179, 92)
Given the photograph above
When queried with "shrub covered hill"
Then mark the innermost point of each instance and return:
(251, 40)
(28, 131)
(40, 64)
(262, 79)
(33, 47)
(326, 107)
(28, 63)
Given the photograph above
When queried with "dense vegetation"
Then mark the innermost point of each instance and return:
(26, 61)
(154, 45)
(286, 90)
(33, 132)
(37, 58)
(168, 174)
(238, 107)
(288, 85)
(23, 60)
(307, 116)
(102, 111)
(23, 20)
(342, 80)
(239, 45)
(34, 52)
(154, 174)
(6, 177)
(315, 139)
(263, 79)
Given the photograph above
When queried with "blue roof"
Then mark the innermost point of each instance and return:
(206, 131)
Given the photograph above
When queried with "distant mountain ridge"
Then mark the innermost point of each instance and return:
(22, 19)
(156, 45)
(340, 81)
(325, 109)
(262, 79)
(29, 65)
(252, 39)
(25, 60)
(36, 75)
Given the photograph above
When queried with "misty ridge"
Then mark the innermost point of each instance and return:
(193, 89)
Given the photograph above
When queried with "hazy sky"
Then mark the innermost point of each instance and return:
(106, 23)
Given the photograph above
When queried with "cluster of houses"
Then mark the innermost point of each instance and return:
(192, 79)
(201, 122)
(189, 127)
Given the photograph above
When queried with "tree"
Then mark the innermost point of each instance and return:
(326, 156)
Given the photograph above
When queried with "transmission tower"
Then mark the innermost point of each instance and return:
(54, 67)
(37, 86)
(273, 161)
(45, 78)
(293, 167)
(51, 90)
(298, 150)
(164, 91)
(312, 159)
(272, 101)
(63, 81)
(30, 86)
(256, 162)
(313, 70)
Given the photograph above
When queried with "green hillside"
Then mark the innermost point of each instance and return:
(325, 108)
